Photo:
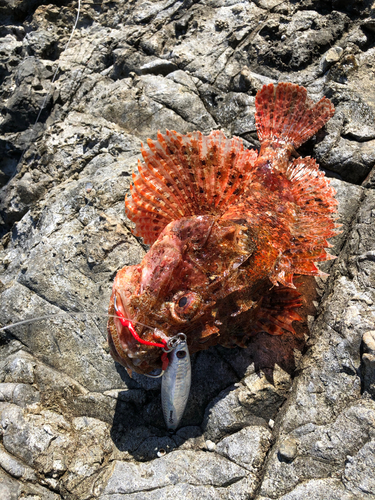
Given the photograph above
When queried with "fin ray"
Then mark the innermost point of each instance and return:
(315, 221)
(277, 311)
(184, 175)
(285, 113)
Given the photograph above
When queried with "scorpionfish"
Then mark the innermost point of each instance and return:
(228, 228)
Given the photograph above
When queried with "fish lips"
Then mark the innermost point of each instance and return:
(124, 348)
(127, 351)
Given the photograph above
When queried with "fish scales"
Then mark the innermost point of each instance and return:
(230, 228)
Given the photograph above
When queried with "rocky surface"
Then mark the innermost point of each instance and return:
(287, 418)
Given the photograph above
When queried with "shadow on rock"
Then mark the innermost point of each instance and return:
(269, 353)
(231, 389)
(138, 425)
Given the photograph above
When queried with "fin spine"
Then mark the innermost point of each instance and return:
(185, 175)
(285, 113)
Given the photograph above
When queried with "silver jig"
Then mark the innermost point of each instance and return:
(175, 384)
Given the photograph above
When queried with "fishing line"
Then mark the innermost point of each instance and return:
(51, 316)
(48, 94)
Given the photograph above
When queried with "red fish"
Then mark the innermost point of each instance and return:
(229, 229)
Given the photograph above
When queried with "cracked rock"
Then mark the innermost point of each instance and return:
(247, 448)
(368, 362)
(128, 478)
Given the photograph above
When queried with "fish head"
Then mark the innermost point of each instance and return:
(179, 286)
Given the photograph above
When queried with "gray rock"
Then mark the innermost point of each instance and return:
(369, 341)
(179, 99)
(294, 41)
(16, 468)
(369, 182)
(321, 450)
(288, 449)
(322, 408)
(190, 437)
(353, 161)
(226, 414)
(154, 447)
(247, 448)
(317, 489)
(210, 445)
(19, 368)
(186, 491)
(158, 67)
(38, 440)
(262, 397)
(93, 446)
(330, 57)
(333, 55)
(172, 469)
(9, 488)
(368, 362)
(19, 394)
(356, 38)
(369, 22)
(358, 474)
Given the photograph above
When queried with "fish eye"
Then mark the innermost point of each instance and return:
(185, 305)
(181, 354)
(182, 302)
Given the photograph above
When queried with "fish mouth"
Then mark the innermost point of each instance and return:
(124, 347)
(127, 340)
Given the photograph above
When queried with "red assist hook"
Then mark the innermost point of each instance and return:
(129, 325)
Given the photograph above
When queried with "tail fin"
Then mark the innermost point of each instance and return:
(285, 112)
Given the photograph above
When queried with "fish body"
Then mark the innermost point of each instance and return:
(229, 229)
(175, 385)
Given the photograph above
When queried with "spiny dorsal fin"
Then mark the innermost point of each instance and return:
(184, 175)
(286, 113)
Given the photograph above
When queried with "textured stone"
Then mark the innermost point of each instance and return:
(19, 369)
(263, 397)
(288, 449)
(158, 67)
(368, 362)
(172, 469)
(321, 412)
(295, 41)
(15, 468)
(317, 489)
(247, 448)
(20, 394)
(358, 474)
(226, 414)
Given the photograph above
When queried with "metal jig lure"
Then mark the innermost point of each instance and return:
(175, 384)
